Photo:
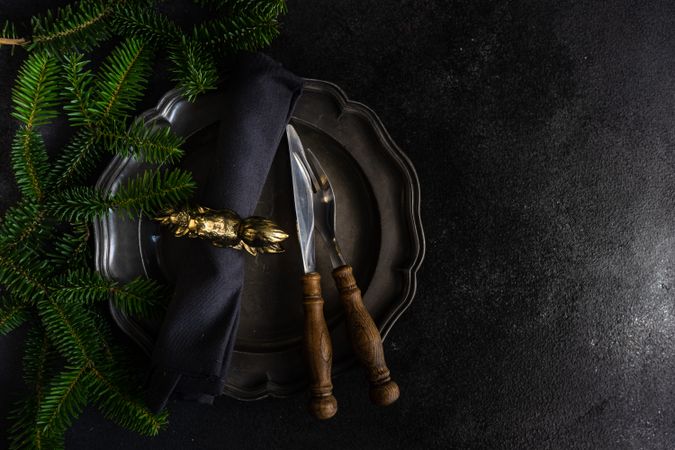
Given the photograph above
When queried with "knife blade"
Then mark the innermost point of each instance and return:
(303, 198)
(317, 342)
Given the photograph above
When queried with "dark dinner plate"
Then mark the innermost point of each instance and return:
(378, 226)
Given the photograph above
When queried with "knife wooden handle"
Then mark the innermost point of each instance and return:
(366, 339)
(318, 349)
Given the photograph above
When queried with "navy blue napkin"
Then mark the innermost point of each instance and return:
(196, 339)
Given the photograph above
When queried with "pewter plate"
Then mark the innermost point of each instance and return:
(378, 226)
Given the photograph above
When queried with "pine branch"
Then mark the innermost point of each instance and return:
(122, 407)
(233, 7)
(34, 99)
(209, 3)
(121, 81)
(81, 26)
(24, 432)
(79, 204)
(154, 191)
(77, 161)
(72, 329)
(78, 82)
(193, 68)
(8, 36)
(64, 401)
(132, 19)
(83, 287)
(263, 8)
(70, 249)
(35, 95)
(149, 193)
(30, 162)
(22, 273)
(146, 142)
(248, 30)
(140, 297)
(20, 223)
(38, 359)
(12, 314)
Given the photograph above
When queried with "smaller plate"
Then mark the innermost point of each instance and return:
(378, 226)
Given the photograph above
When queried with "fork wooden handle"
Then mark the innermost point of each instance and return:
(366, 339)
(318, 349)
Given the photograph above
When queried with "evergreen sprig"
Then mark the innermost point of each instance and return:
(9, 37)
(12, 315)
(37, 244)
(78, 81)
(153, 144)
(77, 161)
(38, 365)
(72, 330)
(245, 25)
(19, 223)
(141, 297)
(148, 193)
(70, 248)
(65, 398)
(122, 81)
(34, 98)
(79, 26)
(193, 67)
(35, 95)
(46, 277)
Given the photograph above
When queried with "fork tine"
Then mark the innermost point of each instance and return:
(318, 171)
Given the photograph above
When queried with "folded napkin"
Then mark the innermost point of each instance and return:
(196, 339)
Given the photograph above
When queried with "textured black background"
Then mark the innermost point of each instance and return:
(544, 137)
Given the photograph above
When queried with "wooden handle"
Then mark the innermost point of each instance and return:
(365, 338)
(318, 349)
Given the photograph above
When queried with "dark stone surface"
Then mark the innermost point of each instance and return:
(543, 135)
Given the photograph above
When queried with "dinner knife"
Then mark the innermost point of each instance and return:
(363, 333)
(317, 342)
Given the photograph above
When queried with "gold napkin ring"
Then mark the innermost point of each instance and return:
(224, 228)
